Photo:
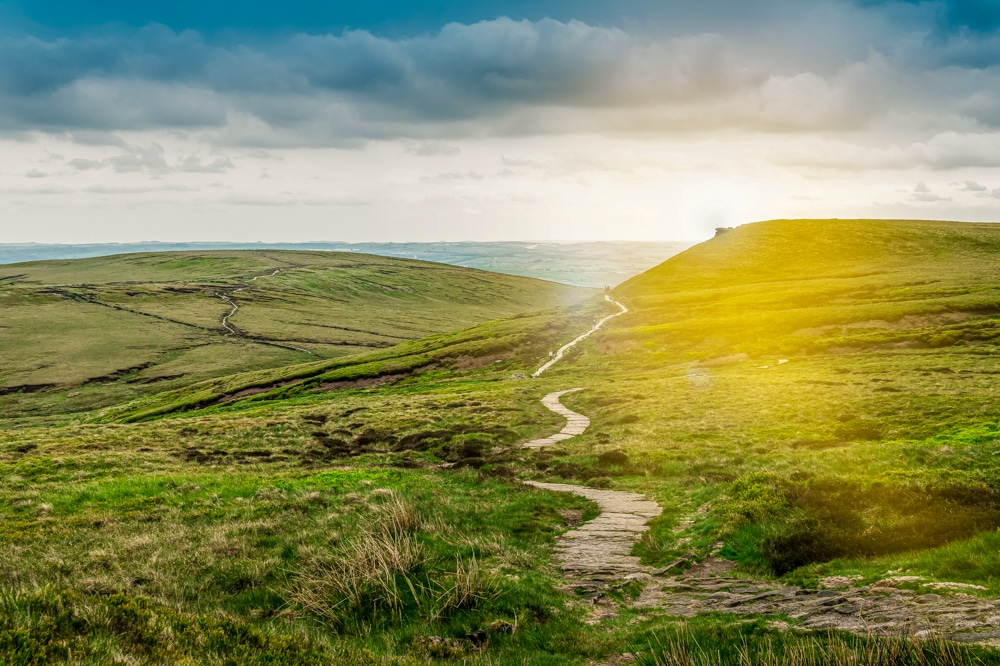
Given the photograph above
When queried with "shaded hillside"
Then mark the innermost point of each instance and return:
(110, 328)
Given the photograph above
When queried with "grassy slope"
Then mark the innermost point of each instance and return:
(111, 328)
(814, 392)
(870, 450)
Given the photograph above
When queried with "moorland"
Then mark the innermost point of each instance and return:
(811, 402)
(79, 334)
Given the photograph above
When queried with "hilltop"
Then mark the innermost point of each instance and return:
(789, 286)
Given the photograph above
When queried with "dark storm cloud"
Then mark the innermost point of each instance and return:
(825, 66)
(157, 78)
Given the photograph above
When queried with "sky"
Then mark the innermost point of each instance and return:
(573, 120)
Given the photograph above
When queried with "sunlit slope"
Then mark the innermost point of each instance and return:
(790, 286)
(106, 329)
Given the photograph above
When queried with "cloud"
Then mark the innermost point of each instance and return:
(459, 80)
(151, 159)
(846, 76)
(35, 173)
(429, 148)
(945, 151)
(973, 186)
(194, 164)
(923, 194)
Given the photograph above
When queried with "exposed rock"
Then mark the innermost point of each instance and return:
(838, 581)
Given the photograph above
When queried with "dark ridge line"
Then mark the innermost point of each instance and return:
(26, 388)
(366, 345)
(117, 374)
(80, 298)
(358, 330)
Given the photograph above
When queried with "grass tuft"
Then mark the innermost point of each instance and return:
(683, 647)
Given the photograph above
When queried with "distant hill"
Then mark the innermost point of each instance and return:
(110, 328)
(581, 264)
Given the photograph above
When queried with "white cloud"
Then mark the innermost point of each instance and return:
(500, 129)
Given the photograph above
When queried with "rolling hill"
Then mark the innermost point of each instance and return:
(109, 328)
(592, 264)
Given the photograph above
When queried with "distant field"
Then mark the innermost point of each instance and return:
(581, 264)
(108, 328)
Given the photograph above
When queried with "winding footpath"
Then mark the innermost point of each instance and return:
(566, 347)
(228, 298)
(225, 318)
(231, 330)
(596, 557)
(597, 553)
(576, 424)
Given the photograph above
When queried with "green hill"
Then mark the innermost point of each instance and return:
(94, 331)
(789, 286)
(822, 391)
(805, 399)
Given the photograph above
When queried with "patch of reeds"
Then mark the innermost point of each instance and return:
(469, 586)
(370, 577)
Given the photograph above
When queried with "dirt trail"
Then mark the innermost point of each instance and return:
(232, 330)
(228, 298)
(225, 318)
(597, 553)
(566, 347)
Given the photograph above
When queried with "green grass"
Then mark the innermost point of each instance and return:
(819, 396)
(712, 641)
(260, 521)
(85, 333)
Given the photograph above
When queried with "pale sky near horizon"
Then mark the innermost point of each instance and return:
(447, 120)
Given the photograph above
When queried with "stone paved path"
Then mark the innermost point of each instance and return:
(576, 424)
(876, 608)
(569, 345)
(597, 555)
(598, 551)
